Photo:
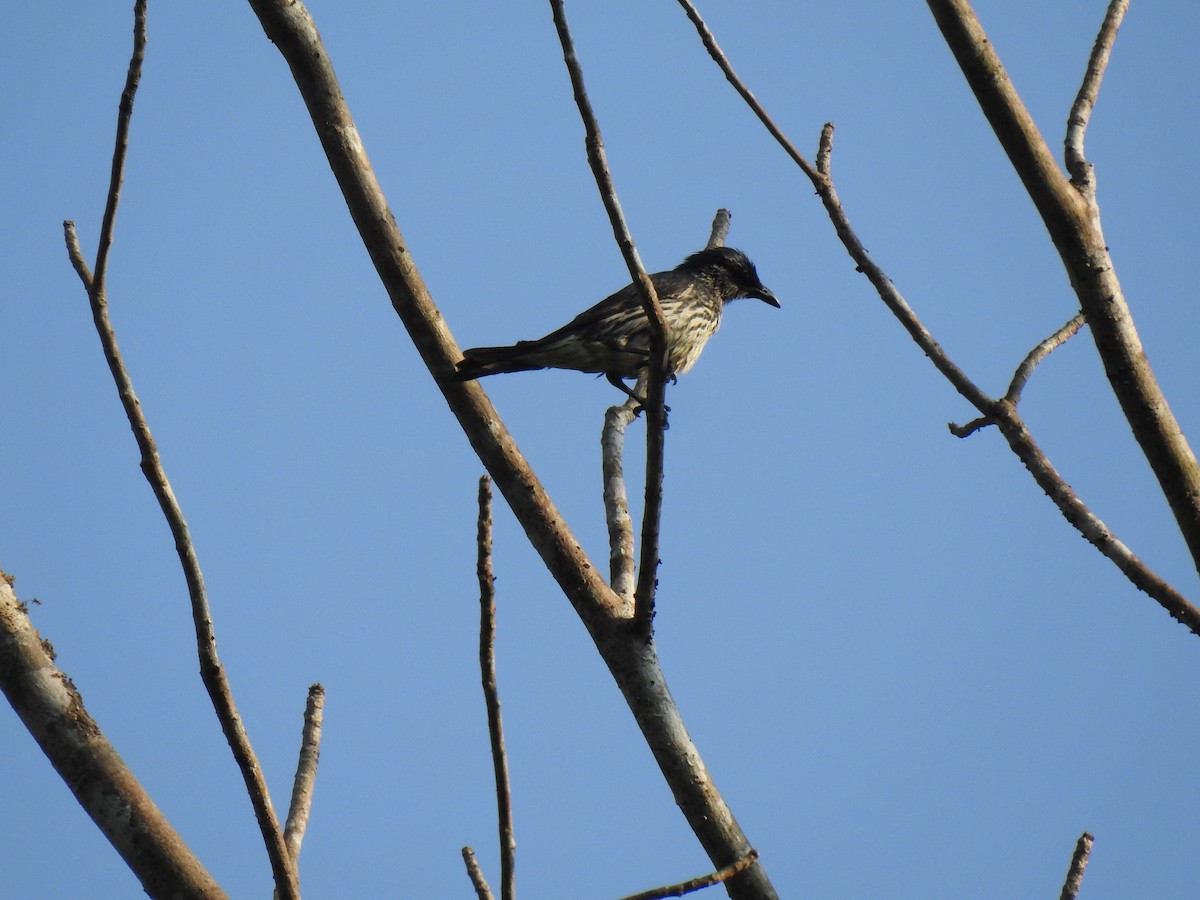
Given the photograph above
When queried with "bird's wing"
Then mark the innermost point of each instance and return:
(619, 317)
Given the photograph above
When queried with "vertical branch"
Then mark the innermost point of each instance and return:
(612, 451)
(306, 771)
(616, 499)
(720, 229)
(212, 673)
(656, 374)
(1079, 861)
(1081, 111)
(491, 693)
(124, 116)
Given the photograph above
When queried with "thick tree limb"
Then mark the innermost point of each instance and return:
(290, 26)
(52, 709)
(212, 673)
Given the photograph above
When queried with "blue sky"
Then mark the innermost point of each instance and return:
(904, 670)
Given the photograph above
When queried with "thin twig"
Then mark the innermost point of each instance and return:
(718, 55)
(491, 693)
(695, 884)
(1002, 413)
(1079, 861)
(1023, 373)
(482, 891)
(1082, 172)
(655, 385)
(306, 771)
(211, 671)
(1040, 352)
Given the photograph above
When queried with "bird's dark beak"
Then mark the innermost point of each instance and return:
(765, 295)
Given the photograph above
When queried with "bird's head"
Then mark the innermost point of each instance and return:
(731, 272)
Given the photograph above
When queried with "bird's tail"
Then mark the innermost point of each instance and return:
(480, 361)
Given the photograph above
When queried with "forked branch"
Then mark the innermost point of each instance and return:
(655, 389)
(1066, 219)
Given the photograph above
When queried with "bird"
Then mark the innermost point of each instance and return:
(612, 338)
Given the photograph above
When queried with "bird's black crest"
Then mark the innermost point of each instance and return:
(733, 261)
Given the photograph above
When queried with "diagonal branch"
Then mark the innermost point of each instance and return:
(656, 379)
(478, 881)
(212, 673)
(697, 884)
(1040, 352)
(290, 27)
(46, 700)
(1024, 372)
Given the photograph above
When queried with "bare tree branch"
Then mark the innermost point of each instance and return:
(703, 881)
(306, 771)
(612, 451)
(616, 498)
(656, 420)
(291, 28)
(482, 891)
(1073, 223)
(718, 55)
(720, 229)
(491, 693)
(52, 709)
(1079, 861)
(211, 671)
(633, 663)
(1082, 172)
(1040, 352)
(1001, 412)
(1024, 371)
(696, 884)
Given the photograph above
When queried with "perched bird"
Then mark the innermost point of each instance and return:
(613, 337)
